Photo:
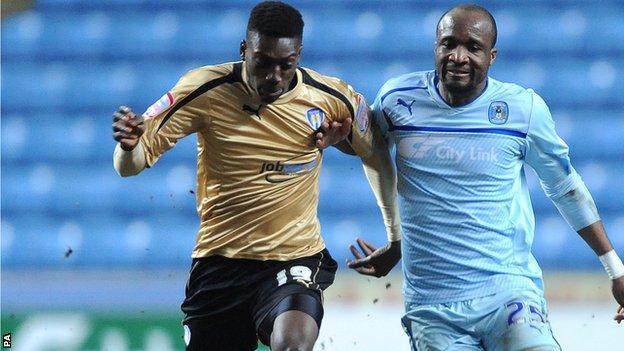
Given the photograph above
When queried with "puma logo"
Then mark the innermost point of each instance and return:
(403, 103)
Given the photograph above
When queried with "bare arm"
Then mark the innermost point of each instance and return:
(596, 237)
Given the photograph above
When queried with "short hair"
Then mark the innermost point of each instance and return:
(276, 19)
(479, 9)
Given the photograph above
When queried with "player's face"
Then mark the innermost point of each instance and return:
(463, 52)
(271, 63)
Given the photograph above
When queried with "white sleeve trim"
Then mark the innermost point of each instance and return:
(129, 163)
(381, 175)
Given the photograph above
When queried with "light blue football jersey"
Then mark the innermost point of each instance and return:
(466, 213)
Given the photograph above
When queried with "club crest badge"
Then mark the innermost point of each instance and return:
(498, 112)
(315, 117)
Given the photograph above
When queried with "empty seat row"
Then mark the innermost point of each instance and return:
(399, 29)
(65, 85)
(115, 239)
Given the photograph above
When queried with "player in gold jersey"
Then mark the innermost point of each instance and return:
(259, 263)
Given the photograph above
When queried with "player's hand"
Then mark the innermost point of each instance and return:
(619, 315)
(376, 262)
(127, 128)
(332, 133)
(617, 287)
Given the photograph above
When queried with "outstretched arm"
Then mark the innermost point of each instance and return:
(381, 174)
(366, 140)
(596, 237)
(548, 154)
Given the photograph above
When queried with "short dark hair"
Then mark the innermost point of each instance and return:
(479, 9)
(276, 19)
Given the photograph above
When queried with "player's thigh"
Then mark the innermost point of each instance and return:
(218, 304)
(438, 328)
(234, 334)
(519, 324)
(295, 285)
(294, 330)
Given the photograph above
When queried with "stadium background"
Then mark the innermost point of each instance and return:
(91, 261)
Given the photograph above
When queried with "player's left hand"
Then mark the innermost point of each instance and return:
(617, 287)
(332, 133)
(377, 262)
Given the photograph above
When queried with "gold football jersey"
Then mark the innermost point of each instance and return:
(257, 165)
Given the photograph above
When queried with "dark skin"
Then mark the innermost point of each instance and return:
(463, 55)
(127, 128)
(596, 237)
(271, 64)
(376, 262)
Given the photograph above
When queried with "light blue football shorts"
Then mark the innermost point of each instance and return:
(506, 321)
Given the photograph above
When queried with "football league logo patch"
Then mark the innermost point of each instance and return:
(159, 106)
(315, 117)
(498, 112)
(361, 116)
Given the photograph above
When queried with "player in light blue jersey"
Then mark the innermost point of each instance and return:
(462, 141)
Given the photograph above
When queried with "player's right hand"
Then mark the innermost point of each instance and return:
(617, 287)
(331, 133)
(376, 262)
(619, 315)
(127, 128)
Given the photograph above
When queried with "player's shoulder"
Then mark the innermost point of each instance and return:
(410, 81)
(524, 101)
(514, 92)
(321, 81)
(199, 76)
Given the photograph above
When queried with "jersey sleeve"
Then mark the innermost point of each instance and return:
(174, 116)
(379, 116)
(548, 154)
(362, 130)
(354, 106)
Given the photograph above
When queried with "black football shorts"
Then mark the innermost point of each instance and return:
(231, 303)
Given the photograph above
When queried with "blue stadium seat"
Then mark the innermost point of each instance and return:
(67, 65)
(576, 127)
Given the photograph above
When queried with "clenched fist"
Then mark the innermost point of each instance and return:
(127, 128)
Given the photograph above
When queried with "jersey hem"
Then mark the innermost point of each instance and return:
(411, 299)
(261, 256)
